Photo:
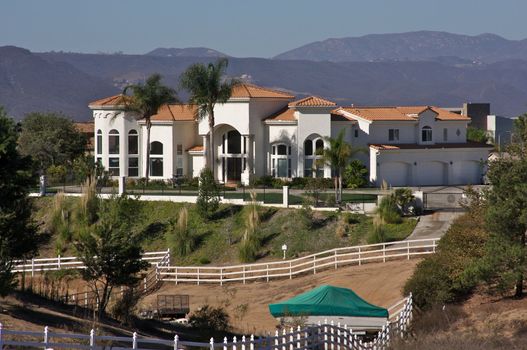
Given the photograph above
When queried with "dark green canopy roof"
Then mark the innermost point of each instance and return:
(327, 301)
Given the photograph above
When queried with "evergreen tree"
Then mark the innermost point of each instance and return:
(18, 233)
(208, 195)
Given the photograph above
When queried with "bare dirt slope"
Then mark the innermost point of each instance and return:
(380, 284)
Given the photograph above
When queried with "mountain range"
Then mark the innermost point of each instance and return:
(430, 68)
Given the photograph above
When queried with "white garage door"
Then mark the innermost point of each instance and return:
(394, 173)
(466, 173)
(431, 174)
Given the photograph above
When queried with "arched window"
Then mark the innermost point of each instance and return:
(133, 142)
(281, 160)
(234, 142)
(99, 141)
(426, 134)
(313, 166)
(156, 158)
(113, 142)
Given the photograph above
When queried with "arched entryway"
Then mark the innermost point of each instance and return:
(232, 154)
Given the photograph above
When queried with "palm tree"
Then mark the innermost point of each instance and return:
(146, 99)
(207, 87)
(337, 156)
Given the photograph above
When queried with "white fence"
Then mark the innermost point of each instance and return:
(327, 336)
(334, 258)
(34, 266)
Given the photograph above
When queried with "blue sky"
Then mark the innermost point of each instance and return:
(240, 27)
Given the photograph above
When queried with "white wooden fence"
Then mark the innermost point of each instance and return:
(327, 336)
(35, 266)
(334, 258)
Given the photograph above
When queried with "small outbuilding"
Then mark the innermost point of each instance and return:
(332, 304)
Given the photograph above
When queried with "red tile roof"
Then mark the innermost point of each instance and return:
(392, 147)
(116, 100)
(405, 113)
(285, 114)
(252, 91)
(197, 148)
(176, 112)
(312, 101)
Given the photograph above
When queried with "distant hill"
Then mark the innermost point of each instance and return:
(186, 52)
(30, 83)
(411, 46)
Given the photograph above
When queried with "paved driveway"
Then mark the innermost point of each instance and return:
(434, 225)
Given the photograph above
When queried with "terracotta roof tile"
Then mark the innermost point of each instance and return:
(312, 101)
(176, 112)
(392, 147)
(116, 100)
(408, 113)
(252, 91)
(285, 114)
(197, 148)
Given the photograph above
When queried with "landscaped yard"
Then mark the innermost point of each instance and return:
(217, 239)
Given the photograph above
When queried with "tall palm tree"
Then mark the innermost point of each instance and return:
(207, 87)
(146, 99)
(337, 156)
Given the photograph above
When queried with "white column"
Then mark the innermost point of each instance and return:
(206, 149)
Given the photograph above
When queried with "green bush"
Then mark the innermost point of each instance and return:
(210, 318)
(180, 237)
(388, 210)
(443, 277)
(355, 174)
(208, 199)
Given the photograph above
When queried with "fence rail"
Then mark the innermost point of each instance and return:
(334, 258)
(40, 265)
(327, 336)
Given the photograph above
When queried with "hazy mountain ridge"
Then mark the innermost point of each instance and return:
(186, 52)
(410, 46)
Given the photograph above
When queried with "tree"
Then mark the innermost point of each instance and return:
(207, 87)
(337, 155)
(111, 250)
(208, 199)
(478, 135)
(520, 128)
(146, 99)
(18, 233)
(355, 174)
(51, 139)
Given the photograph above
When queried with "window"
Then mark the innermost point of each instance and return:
(281, 161)
(156, 158)
(99, 142)
(133, 142)
(133, 167)
(113, 142)
(319, 147)
(393, 135)
(308, 147)
(179, 167)
(179, 150)
(234, 142)
(356, 132)
(312, 164)
(445, 134)
(308, 168)
(113, 166)
(426, 134)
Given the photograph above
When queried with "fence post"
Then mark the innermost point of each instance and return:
(211, 343)
(408, 249)
(284, 339)
(314, 264)
(243, 342)
(251, 345)
(243, 274)
(290, 270)
(92, 339)
(176, 339)
(221, 276)
(332, 335)
(45, 337)
(384, 252)
(234, 341)
(175, 272)
(276, 335)
(267, 270)
(291, 346)
(58, 261)
(32, 267)
(144, 284)
(336, 259)
(325, 335)
(360, 261)
(225, 343)
(298, 337)
(198, 276)
(134, 340)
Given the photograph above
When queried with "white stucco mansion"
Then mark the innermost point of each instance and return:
(261, 131)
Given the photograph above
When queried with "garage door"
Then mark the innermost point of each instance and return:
(394, 173)
(466, 173)
(431, 174)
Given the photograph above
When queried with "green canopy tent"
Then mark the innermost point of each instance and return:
(332, 303)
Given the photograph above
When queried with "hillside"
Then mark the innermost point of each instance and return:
(186, 52)
(411, 46)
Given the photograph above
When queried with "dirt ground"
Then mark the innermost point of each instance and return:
(380, 284)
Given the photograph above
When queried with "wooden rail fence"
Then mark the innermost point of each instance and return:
(334, 258)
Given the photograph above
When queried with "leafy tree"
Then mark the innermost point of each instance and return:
(355, 174)
(520, 129)
(478, 135)
(403, 197)
(18, 233)
(208, 199)
(337, 155)
(58, 173)
(50, 139)
(146, 99)
(111, 250)
(210, 318)
(207, 87)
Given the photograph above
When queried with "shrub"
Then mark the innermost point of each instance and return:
(124, 308)
(355, 174)
(389, 211)
(298, 182)
(250, 244)
(180, 237)
(208, 199)
(377, 234)
(210, 318)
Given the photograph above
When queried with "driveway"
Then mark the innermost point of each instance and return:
(434, 225)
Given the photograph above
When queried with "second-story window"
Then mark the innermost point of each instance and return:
(99, 141)
(133, 142)
(445, 134)
(113, 142)
(426, 134)
(393, 135)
